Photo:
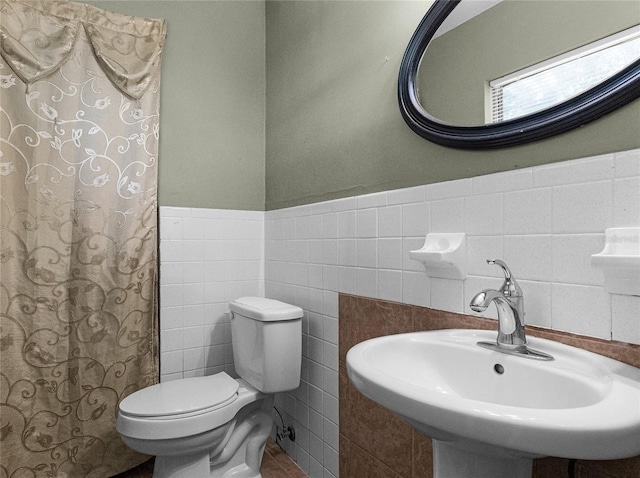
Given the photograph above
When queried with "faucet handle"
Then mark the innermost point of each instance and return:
(510, 287)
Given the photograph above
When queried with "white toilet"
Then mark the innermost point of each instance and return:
(217, 426)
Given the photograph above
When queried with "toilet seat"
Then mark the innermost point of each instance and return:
(183, 407)
(181, 397)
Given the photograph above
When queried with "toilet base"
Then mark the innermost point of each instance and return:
(184, 466)
(237, 455)
(242, 455)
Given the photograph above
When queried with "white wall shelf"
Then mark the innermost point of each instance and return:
(444, 255)
(620, 260)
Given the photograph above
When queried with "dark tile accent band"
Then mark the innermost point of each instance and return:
(375, 443)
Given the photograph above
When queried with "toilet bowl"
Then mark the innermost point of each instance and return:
(217, 426)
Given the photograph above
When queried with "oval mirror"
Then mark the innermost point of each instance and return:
(492, 73)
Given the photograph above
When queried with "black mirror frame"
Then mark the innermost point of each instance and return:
(600, 100)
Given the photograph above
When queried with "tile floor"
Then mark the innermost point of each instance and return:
(275, 464)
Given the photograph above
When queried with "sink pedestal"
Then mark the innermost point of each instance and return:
(450, 461)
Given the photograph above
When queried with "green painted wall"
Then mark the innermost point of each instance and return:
(333, 124)
(333, 128)
(212, 139)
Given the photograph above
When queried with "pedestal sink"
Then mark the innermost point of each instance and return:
(489, 414)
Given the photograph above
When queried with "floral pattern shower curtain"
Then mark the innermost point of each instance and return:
(79, 106)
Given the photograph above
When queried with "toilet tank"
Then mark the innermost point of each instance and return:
(266, 336)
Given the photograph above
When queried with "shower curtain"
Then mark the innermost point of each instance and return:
(79, 116)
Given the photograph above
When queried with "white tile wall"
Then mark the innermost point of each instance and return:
(544, 221)
(207, 258)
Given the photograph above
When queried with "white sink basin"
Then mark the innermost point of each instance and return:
(580, 405)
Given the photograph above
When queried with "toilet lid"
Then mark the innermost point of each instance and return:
(183, 396)
(265, 310)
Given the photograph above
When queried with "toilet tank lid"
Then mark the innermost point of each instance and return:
(267, 310)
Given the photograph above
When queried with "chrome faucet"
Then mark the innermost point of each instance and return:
(510, 304)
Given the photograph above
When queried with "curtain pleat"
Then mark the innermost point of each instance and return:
(37, 38)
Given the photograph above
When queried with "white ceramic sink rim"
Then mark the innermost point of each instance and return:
(600, 421)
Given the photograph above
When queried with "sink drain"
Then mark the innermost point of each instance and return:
(499, 369)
